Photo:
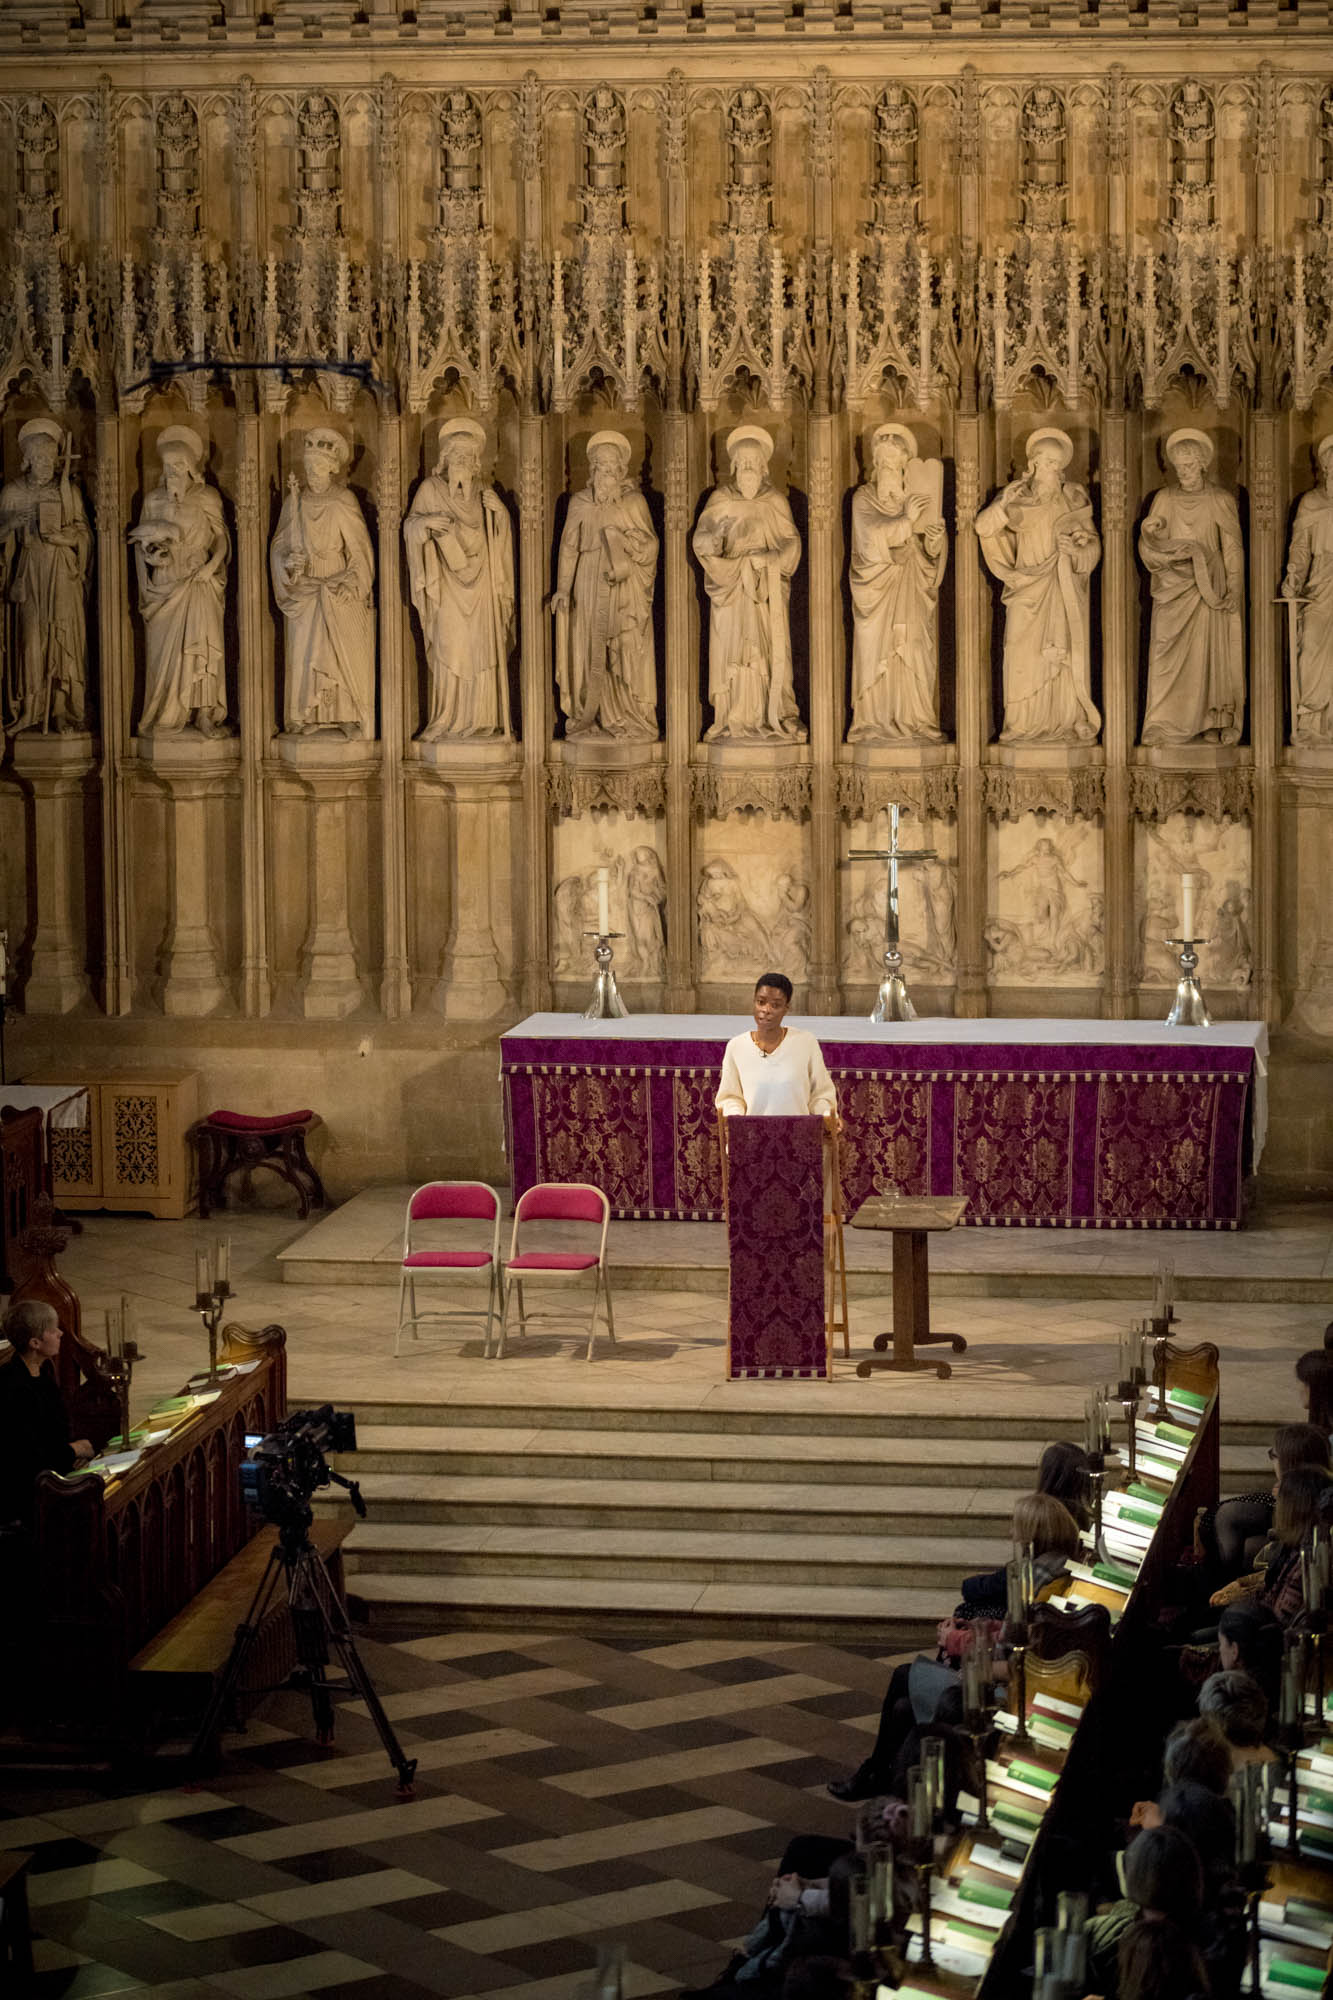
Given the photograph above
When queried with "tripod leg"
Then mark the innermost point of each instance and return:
(221, 1700)
(324, 1598)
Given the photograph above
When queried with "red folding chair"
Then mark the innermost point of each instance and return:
(558, 1201)
(448, 1201)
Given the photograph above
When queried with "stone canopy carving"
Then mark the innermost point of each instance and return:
(1190, 544)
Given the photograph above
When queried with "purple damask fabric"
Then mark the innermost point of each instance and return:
(775, 1232)
(1112, 1135)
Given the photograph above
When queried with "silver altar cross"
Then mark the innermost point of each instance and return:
(891, 1002)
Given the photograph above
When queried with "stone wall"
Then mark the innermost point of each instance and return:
(229, 234)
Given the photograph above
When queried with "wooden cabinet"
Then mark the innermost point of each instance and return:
(133, 1155)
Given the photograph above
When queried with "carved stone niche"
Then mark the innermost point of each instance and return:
(751, 777)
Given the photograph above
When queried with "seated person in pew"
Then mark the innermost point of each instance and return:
(803, 1922)
(1196, 1753)
(1146, 1947)
(1275, 1585)
(1243, 1524)
(34, 1426)
(922, 1692)
(1237, 1704)
(1065, 1473)
(1314, 1375)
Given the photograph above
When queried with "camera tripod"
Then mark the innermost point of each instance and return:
(320, 1627)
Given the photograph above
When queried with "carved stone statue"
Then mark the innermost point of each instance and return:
(645, 901)
(323, 570)
(606, 668)
(1191, 547)
(792, 931)
(899, 555)
(460, 565)
(748, 547)
(1309, 579)
(1038, 537)
(45, 549)
(1047, 904)
(181, 550)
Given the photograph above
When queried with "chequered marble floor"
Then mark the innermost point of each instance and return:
(573, 1791)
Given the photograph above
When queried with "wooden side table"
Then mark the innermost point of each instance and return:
(911, 1221)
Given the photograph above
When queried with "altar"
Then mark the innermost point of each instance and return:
(1074, 1124)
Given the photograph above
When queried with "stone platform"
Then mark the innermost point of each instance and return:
(644, 1487)
(1284, 1255)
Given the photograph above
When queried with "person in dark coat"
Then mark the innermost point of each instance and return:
(34, 1425)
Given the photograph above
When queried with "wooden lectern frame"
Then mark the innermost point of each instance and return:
(835, 1244)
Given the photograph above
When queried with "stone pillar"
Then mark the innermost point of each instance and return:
(972, 712)
(1265, 567)
(334, 772)
(825, 718)
(55, 770)
(191, 769)
(682, 722)
(395, 728)
(254, 686)
(475, 776)
(114, 706)
(538, 718)
(1119, 697)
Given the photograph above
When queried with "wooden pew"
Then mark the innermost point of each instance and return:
(22, 1180)
(118, 1559)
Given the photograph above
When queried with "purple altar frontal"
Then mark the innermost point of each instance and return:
(1074, 1124)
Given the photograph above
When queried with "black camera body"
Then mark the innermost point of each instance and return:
(283, 1470)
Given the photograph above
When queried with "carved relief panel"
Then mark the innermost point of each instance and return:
(927, 894)
(1217, 854)
(1045, 920)
(633, 851)
(752, 904)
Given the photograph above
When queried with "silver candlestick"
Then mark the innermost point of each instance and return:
(606, 1003)
(1189, 1010)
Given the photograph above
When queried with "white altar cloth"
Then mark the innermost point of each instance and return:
(65, 1104)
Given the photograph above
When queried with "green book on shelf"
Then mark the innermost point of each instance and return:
(1173, 1433)
(1140, 1516)
(1018, 1815)
(1146, 1493)
(988, 1893)
(1032, 1774)
(1189, 1397)
(1123, 1579)
(1288, 1972)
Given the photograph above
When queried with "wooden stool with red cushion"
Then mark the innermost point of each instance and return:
(228, 1140)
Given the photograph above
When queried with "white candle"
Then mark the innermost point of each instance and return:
(203, 1283)
(604, 901)
(222, 1260)
(1186, 908)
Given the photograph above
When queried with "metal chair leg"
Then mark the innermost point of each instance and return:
(606, 1295)
(398, 1330)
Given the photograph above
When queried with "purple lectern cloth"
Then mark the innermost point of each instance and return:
(775, 1232)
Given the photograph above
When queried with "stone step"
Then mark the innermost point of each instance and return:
(861, 1561)
(815, 1410)
(715, 1505)
(391, 1604)
(522, 1451)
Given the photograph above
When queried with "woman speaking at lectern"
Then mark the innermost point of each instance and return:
(774, 1071)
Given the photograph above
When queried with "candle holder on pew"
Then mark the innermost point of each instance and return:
(1129, 1389)
(1097, 1449)
(1291, 1727)
(872, 1942)
(978, 1712)
(1189, 1009)
(212, 1289)
(606, 1003)
(1019, 1595)
(116, 1366)
(1250, 1794)
(922, 1806)
(1060, 1951)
